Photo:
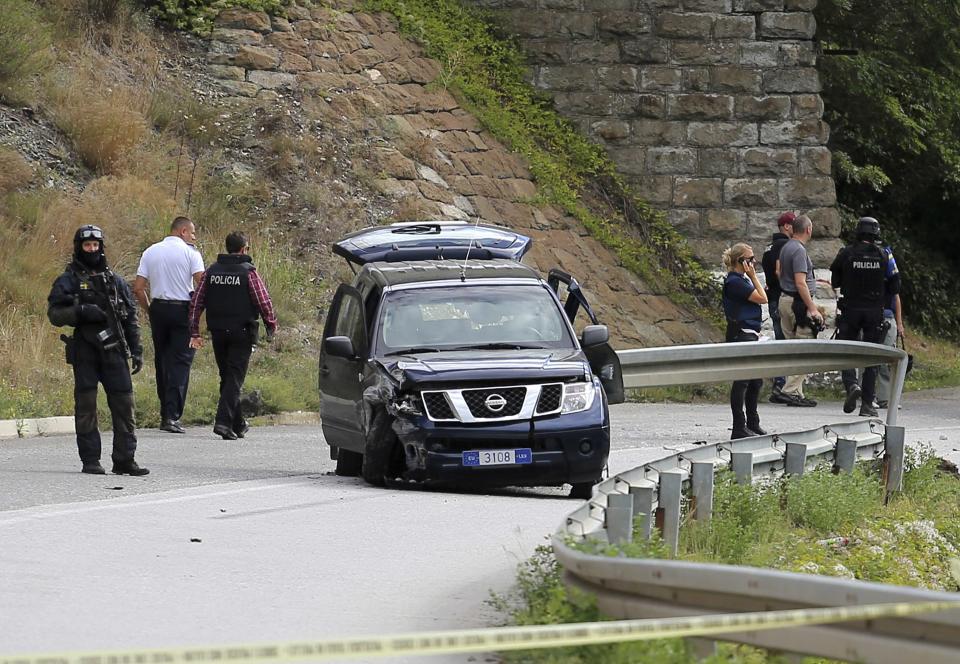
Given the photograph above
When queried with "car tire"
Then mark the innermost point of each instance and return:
(379, 456)
(349, 463)
(581, 490)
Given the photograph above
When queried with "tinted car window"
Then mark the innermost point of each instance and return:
(460, 317)
(350, 323)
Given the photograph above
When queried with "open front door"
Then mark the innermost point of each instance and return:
(603, 359)
(606, 365)
(339, 379)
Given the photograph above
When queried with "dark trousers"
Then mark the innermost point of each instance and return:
(172, 355)
(232, 349)
(90, 367)
(744, 394)
(861, 325)
(774, 310)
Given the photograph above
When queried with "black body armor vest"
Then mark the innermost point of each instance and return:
(863, 276)
(228, 301)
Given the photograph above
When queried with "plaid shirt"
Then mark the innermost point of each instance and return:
(258, 293)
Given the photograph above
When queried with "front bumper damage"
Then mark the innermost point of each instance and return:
(566, 448)
(570, 448)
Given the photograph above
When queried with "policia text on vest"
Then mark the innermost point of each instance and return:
(235, 298)
(866, 275)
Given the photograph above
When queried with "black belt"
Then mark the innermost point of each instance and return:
(182, 303)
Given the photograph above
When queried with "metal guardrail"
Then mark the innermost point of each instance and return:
(655, 588)
(719, 363)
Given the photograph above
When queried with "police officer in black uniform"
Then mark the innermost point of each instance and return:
(234, 297)
(860, 271)
(100, 307)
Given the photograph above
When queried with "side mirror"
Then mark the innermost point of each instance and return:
(339, 347)
(594, 335)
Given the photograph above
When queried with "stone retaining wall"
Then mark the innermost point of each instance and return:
(711, 108)
(432, 156)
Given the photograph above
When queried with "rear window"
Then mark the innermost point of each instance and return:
(471, 317)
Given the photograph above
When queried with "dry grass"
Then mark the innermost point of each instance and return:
(15, 172)
(282, 157)
(103, 125)
(108, 95)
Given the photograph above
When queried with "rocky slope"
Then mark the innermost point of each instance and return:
(387, 142)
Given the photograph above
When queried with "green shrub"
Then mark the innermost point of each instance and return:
(829, 503)
(197, 16)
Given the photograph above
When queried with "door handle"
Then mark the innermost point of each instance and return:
(324, 371)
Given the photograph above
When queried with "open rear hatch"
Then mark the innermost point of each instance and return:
(432, 240)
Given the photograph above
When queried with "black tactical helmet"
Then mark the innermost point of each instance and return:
(84, 233)
(868, 227)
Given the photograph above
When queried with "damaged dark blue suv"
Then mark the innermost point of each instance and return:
(449, 362)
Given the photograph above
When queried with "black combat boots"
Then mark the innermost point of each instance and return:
(129, 468)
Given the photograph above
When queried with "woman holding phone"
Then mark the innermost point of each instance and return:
(742, 297)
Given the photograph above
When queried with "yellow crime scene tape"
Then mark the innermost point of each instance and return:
(491, 639)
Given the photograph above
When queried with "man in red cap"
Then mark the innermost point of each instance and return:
(770, 258)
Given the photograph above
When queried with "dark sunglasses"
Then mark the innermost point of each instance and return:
(749, 259)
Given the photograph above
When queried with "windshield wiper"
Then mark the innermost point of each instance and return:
(416, 349)
(499, 346)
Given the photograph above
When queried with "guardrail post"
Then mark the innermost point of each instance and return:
(619, 518)
(893, 460)
(741, 463)
(669, 507)
(701, 481)
(846, 455)
(643, 507)
(796, 459)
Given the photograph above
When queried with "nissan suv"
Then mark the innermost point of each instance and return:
(447, 361)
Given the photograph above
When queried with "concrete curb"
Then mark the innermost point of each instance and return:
(63, 425)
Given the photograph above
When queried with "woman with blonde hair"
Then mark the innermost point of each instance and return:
(742, 297)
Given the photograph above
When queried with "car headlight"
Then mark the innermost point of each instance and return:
(577, 397)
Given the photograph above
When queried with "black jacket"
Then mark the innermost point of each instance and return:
(79, 285)
(769, 263)
(228, 302)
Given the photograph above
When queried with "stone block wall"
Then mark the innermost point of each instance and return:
(710, 108)
(417, 148)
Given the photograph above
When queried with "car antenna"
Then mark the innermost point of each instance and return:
(463, 268)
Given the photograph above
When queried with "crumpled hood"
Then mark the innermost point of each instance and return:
(502, 366)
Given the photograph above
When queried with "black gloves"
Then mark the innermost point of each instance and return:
(270, 334)
(90, 313)
(136, 364)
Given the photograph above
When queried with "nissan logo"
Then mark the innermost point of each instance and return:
(495, 403)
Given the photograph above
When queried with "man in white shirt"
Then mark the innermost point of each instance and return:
(169, 272)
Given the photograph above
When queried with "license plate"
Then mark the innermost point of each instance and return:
(497, 457)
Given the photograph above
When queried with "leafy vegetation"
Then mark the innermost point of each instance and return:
(820, 523)
(197, 16)
(485, 70)
(894, 112)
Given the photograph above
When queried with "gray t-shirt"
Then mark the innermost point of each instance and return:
(793, 259)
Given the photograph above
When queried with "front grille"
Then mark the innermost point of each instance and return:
(480, 401)
(550, 396)
(437, 406)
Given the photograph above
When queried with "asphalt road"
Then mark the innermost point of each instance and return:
(256, 540)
